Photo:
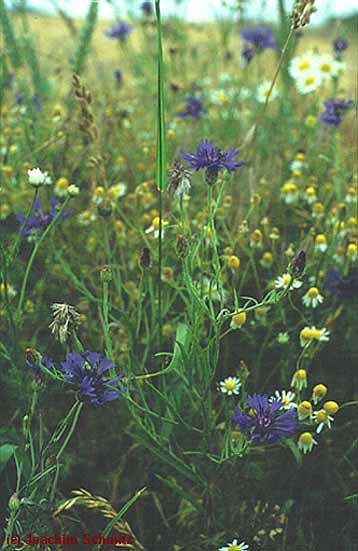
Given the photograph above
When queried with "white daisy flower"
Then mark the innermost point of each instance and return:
(309, 82)
(327, 66)
(230, 386)
(38, 178)
(117, 191)
(309, 334)
(312, 298)
(235, 546)
(263, 90)
(154, 228)
(285, 280)
(286, 397)
(320, 243)
(323, 419)
(303, 64)
(86, 217)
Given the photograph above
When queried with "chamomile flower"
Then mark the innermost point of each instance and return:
(308, 83)
(301, 65)
(306, 442)
(317, 210)
(61, 187)
(230, 386)
(286, 281)
(38, 178)
(299, 379)
(289, 192)
(327, 66)
(309, 334)
(323, 419)
(286, 397)
(117, 191)
(304, 410)
(352, 252)
(7, 290)
(86, 217)
(99, 195)
(266, 260)
(312, 298)
(351, 195)
(320, 243)
(154, 227)
(235, 546)
(256, 238)
(318, 393)
(310, 195)
(263, 91)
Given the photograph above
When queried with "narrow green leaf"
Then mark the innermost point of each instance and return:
(6, 452)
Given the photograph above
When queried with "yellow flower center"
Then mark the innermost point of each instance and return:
(352, 249)
(62, 183)
(309, 80)
(306, 439)
(256, 235)
(325, 67)
(316, 333)
(320, 391)
(322, 416)
(310, 191)
(287, 278)
(229, 384)
(318, 208)
(305, 408)
(234, 547)
(156, 223)
(307, 334)
(321, 239)
(289, 187)
(239, 318)
(301, 374)
(331, 407)
(304, 65)
(285, 400)
(313, 292)
(234, 262)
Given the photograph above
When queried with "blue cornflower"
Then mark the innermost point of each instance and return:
(118, 75)
(247, 53)
(346, 288)
(147, 8)
(339, 45)
(260, 38)
(212, 159)
(120, 30)
(334, 111)
(37, 103)
(35, 224)
(9, 80)
(87, 370)
(266, 421)
(194, 108)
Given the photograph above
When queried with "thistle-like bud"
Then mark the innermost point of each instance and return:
(298, 263)
(145, 260)
(181, 246)
(105, 208)
(179, 179)
(301, 13)
(65, 319)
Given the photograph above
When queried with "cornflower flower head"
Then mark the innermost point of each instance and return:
(247, 53)
(339, 46)
(260, 38)
(309, 334)
(87, 369)
(230, 386)
(286, 397)
(346, 288)
(119, 30)
(194, 108)
(286, 281)
(65, 319)
(312, 298)
(334, 111)
(146, 8)
(212, 159)
(235, 546)
(306, 442)
(118, 75)
(35, 224)
(266, 422)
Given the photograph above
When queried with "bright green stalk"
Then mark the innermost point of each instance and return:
(85, 37)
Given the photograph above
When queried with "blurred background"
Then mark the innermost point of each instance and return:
(197, 10)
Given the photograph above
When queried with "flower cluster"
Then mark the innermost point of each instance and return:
(310, 70)
(119, 30)
(35, 224)
(194, 108)
(334, 111)
(256, 40)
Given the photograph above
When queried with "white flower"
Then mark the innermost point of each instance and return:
(117, 191)
(285, 280)
(230, 386)
(309, 82)
(312, 298)
(327, 66)
(155, 227)
(234, 546)
(263, 91)
(286, 397)
(309, 334)
(86, 217)
(303, 64)
(73, 190)
(323, 419)
(306, 442)
(38, 178)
